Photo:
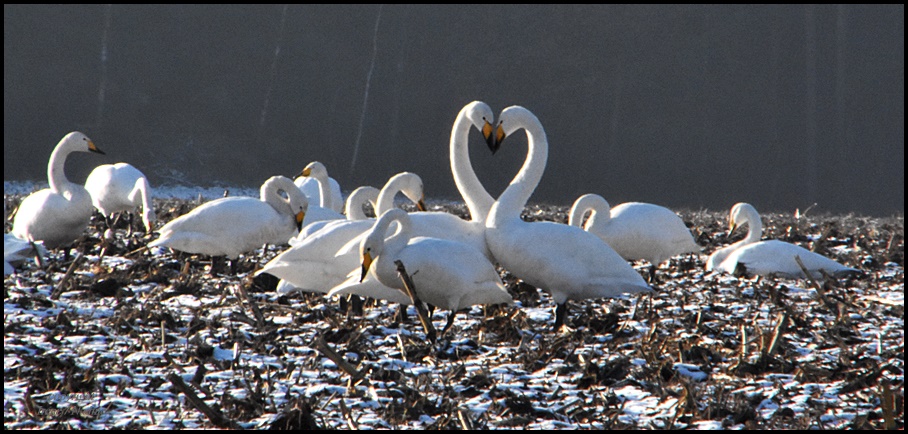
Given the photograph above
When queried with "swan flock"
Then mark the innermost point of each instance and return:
(454, 263)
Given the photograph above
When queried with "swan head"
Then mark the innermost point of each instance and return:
(740, 214)
(315, 169)
(481, 116)
(76, 141)
(511, 119)
(410, 184)
(148, 217)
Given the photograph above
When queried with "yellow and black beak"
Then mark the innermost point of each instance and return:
(487, 134)
(421, 205)
(367, 262)
(299, 220)
(93, 148)
(495, 142)
(306, 172)
(732, 225)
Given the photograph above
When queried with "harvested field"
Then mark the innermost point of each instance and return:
(122, 338)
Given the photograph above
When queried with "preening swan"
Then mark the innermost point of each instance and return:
(233, 225)
(60, 214)
(635, 230)
(312, 188)
(446, 274)
(771, 257)
(120, 187)
(565, 261)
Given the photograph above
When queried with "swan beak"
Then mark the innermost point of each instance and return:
(299, 220)
(499, 137)
(93, 148)
(305, 172)
(421, 205)
(731, 227)
(367, 262)
(487, 131)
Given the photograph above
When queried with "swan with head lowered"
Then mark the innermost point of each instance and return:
(120, 187)
(325, 208)
(446, 274)
(635, 230)
(565, 261)
(771, 257)
(233, 225)
(57, 215)
(322, 190)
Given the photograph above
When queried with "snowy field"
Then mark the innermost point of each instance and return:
(132, 340)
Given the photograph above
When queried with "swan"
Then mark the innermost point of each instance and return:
(565, 261)
(446, 274)
(312, 188)
(57, 215)
(771, 257)
(120, 187)
(325, 209)
(233, 225)
(312, 263)
(635, 230)
(16, 251)
(354, 209)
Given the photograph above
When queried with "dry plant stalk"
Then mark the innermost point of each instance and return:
(420, 307)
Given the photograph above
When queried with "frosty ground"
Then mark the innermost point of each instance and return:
(135, 340)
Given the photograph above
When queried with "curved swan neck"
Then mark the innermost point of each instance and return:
(56, 176)
(401, 236)
(477, 198)
(515, 197)
(355, 202)
(405, 182)
(754, 228)
(270, 193)
(588, 202)
(142, 188)
(326, 201)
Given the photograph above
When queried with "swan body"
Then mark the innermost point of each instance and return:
(312, 187)
(16, 251)
(447, 274)
(120, 187)
(771, 257)
(233, 225)
(57, 215)
(565, 261)
(635, 230)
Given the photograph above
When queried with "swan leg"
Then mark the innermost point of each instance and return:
(450, 322)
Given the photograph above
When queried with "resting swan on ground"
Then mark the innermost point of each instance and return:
(57, 215)
(120, 187)
(354, 208)
(312, 189)
(771, 257)
(233, 225)
(446, 274)
(565, 261)
(635, 230)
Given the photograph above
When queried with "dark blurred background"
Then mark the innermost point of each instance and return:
(683, 106)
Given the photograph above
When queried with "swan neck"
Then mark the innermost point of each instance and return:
(324, 190)
(754, 230)
(594, 204)
(515, 197)
(477, 198)
(141, 188)
(269, 194)
(56, 176)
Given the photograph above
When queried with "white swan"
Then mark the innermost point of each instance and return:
(771, 257)
(635, 230)
(446, 274)
(57, 215)
(324, 210)
(312, 188)
(16, 251)
(233, 225)
(565, 261)
(354, 209)
(120, 187)
(312, 263)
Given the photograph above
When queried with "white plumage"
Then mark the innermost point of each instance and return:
(120, 187)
